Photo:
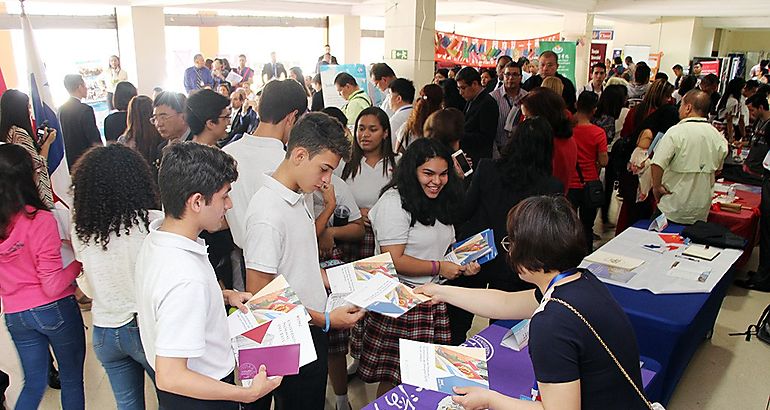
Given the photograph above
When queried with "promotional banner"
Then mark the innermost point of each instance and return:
(598, 52)
(482, 52)
(566, 52)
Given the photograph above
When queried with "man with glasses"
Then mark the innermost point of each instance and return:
(356, 98)
(168, 118)
(549, 63)
(207, 115)
(508, 98)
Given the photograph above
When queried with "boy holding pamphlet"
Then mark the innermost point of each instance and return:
(281, 239)
(181, 309)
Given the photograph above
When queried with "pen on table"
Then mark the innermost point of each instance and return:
(686, 257)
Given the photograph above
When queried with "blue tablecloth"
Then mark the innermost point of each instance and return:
(669, 328)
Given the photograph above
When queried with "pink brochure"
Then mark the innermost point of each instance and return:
(279, 361)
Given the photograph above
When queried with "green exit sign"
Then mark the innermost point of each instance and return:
(399, 54)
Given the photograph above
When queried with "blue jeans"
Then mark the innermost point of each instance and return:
(60, 325)
(120, 351)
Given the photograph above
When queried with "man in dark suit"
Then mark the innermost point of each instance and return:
(78, 124)
(273, 69)
(549, 63)
(326, 58)
(481, 116)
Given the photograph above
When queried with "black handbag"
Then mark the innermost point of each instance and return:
(761, 330)
(593, 191)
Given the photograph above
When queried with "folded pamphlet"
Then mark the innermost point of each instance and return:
(478, 248)
(278, 361)
(441, 368)
(386, 296)
(350, 276)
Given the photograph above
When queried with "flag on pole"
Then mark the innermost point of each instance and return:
(42, 106)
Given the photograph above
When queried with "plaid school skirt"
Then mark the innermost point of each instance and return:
(338, 341)
(379, 355)
(353, 251)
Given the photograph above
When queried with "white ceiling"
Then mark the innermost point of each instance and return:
(716, 13)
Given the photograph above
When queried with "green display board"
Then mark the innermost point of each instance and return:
(566, 52)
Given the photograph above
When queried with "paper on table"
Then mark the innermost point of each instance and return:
(291, 328)
(440, 368)
(386, 296)
(347, 278)
(614, 260)
(702, 252)
(273, 301)
(278, 361)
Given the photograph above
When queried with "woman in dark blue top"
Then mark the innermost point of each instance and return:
(573, 370)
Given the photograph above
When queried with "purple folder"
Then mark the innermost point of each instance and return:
(279, 361)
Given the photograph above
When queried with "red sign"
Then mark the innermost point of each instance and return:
(710, 67)
(482, 52)
(598, 52)
(603, 35)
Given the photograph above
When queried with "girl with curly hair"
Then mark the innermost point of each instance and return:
(413, 220)
(112, 211)
(37, 293)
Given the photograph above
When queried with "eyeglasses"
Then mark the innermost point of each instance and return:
(506, 244)
(512, 75)
(156, 119)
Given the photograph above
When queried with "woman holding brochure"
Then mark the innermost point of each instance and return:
(112, 213)
(413, 220)
(572, 366)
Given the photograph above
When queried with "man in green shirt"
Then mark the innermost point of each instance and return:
(686, 160)
(356, 98)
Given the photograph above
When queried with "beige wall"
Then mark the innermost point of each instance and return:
(6, 56)
(744, 40)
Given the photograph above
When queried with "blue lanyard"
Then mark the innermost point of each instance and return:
(535, 392)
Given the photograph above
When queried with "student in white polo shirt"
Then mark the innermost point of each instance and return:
(282, 102)
(281, 239)
(181, 308)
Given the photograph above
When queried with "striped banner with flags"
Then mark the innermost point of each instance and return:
(42, 106)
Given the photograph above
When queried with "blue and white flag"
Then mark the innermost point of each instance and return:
(42, 106)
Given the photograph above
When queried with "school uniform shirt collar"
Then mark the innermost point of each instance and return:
(267, 142)
(693, 119)
(286, 194)
(172, 240)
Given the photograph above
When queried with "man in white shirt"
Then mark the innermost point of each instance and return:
(508, 99)
(281, 239)
(401, 98)
(382, 75)
(181, 309)
(502, 61)
(282, 102)
(598, 74)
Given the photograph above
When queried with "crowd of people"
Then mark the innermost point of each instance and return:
(198, 201)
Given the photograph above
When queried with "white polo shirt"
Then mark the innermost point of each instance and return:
(255, 156)
(281, 239)
(342, 196)
(368, 182)
(397, 120)
(390, 222)
(180, 308)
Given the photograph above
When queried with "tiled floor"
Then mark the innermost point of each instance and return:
(726, 372)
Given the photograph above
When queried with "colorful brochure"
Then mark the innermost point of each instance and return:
(478, 248)
(289, 329)
(441, 368)
(278, 361)
(349, 277)
(273, 301)
(386, 296)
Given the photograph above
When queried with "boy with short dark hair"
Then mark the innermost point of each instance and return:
(181, 309)
(207, 114)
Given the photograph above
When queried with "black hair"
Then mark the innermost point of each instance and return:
(629, 58)
(513, 64)
(175, 101)
(468, 75)
(317, 79)
(733, 89)
(337, 113)
(17, 186)
(545, 102)
(452, 97)
(353, 166)
(618, 60)
(203, 106)
(528, 155)
(444, 72)
(300, 78)
(139, 129)
(157, 89)
(188, 168)
(505, 57)
(72, 82)
(587, 102)
(317, 132)
(660, 75)
(14, 111)
(343, 79)
(642, 73)
(549, 54)
(599, 65)
(113, 190)
(710, 79)
(445, 125)
(758, 101)
(124, 92)
(404, 88)
(612, 100)
(545, 234)
(281, 98)
(422, 209)
(752, 84)
(380, 70)
(677, 67)
(687, 84)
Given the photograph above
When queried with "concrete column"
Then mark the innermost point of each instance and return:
(6, 56)
(344, 36)
(209, 39)
(141, 39)
(578, 27)
(410, 25)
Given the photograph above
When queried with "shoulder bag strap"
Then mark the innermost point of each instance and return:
(604, 345)
(580, 173)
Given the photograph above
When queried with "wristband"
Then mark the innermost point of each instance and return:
(436, 267)
(328, 322)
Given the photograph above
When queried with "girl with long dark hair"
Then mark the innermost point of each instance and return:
(140, 134)
(729, 110)
(37, 293)
(112, 213)
(413, 220)
(16, 128)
